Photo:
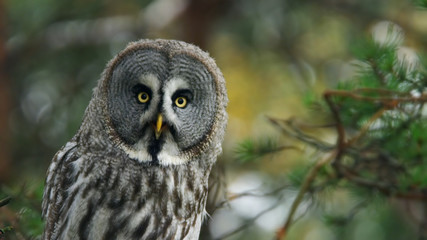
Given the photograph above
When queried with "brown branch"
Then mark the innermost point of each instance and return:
(381, 90)
(390, 101)
(281, 233)
(365, 127)
(338, 123)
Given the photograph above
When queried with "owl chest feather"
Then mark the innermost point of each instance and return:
(123, 199)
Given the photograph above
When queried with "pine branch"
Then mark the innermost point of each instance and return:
(249, 151)
(384, 188)
(288, 128)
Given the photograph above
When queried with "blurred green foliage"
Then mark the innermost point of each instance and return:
(277, 57)
(21, 216)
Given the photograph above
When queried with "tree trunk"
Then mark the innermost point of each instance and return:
(5, 161)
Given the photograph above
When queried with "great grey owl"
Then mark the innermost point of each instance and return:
(138, 167)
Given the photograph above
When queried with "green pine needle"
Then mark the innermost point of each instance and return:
(250, 151)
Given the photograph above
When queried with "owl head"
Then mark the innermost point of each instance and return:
(163, 102)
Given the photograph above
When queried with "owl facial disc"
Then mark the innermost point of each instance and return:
(162, 101)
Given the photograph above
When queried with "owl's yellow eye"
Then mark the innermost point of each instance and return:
(143, 97)
(181, 102)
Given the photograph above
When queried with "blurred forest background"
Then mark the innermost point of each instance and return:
(277, 56)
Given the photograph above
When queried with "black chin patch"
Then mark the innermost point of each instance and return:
(154, 148)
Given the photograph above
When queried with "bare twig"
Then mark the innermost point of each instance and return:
(249, 222)
(384, 188)
(281, 233)
(251, 194)
(298, 134)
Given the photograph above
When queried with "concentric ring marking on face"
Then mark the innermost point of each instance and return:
(144, 66)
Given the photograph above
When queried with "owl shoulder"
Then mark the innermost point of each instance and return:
(56, 177)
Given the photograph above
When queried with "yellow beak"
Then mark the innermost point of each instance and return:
(158, 128)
